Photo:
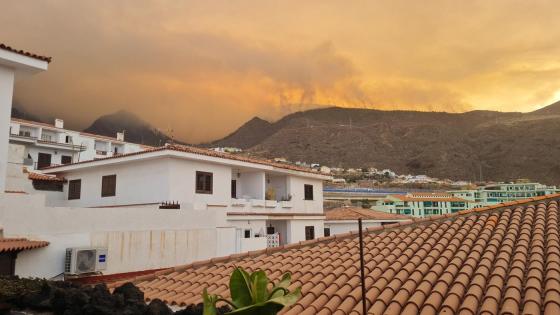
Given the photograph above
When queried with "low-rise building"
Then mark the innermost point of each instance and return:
(261, 198)
(422, 204)
(345, 219)
(503, 192)
(51, 144)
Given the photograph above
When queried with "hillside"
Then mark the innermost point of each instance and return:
(136, 130)
(503, 146)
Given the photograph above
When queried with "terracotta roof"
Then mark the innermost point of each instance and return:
(500, 259)
(44, 177)
(354, 213)
(31, 122)
(25, 53)
(205, 152)
(17, 244)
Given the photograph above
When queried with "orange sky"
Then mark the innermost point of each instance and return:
(203, 68)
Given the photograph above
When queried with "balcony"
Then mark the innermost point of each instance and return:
(70, 146)
(259, 205)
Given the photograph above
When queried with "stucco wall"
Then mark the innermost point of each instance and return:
(182, 181)
(140, 182)
(343, 227)
(6, 90)
(296, 228)
(137, 238)
(296, 189)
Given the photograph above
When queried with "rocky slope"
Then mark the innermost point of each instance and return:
(498, 145)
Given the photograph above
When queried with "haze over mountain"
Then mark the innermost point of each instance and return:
(136, 130)
(497, 145)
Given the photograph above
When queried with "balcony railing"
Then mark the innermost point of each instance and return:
(72, 146)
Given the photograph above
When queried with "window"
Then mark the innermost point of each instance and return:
(309, 233)
(74, 189)
(308, 190)
(108, 185)
(65, 159)
(203, 182)
(247, 233)
(43, 160)
(234, 189)
(327, 232)
(68, 139)
(270, 230)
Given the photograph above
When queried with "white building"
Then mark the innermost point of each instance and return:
(345, 219)
(47, 145)
(504, 192)
(258, 196)
(14, 64)
(146, 210)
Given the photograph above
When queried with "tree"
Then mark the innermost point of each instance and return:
(250, 294)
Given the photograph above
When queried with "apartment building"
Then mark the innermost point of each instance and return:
(51, 144)
(422, 204)
(504, 192)
(261, 198)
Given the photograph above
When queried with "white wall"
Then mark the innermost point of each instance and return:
(251, 185)
(137, 238)
(296, 228)
(56, 154)
(6, 90)
(254, 243)
(343, 227)
(182, 183)
(296, 189)
(16, 180)
(139, 182)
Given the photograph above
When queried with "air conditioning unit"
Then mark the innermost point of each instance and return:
(80, 260)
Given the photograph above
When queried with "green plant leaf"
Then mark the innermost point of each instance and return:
(283, 283)
(259, 282)
(209, 302)
(270, 307)
(240, 288)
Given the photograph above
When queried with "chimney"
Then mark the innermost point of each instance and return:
(59, 123)
(120, 136)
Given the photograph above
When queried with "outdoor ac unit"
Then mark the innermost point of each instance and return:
(80, 260)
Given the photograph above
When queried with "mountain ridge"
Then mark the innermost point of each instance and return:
(500, 145)
(136, 130)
